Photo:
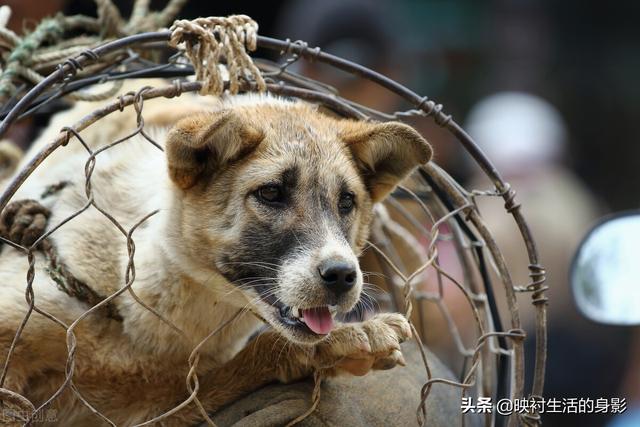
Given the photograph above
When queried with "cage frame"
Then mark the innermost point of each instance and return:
(451, 196)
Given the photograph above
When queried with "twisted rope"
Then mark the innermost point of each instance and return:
(109, 18)
(207, 41)
(49, 28)
(31, 57)
(72, 286)
(318, 376)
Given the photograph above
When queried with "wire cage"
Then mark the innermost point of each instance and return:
(428, 211)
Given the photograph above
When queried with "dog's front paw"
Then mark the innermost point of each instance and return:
(361, 347)
(23, 221)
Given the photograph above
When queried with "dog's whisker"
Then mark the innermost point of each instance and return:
(374, 288)
(375, 274)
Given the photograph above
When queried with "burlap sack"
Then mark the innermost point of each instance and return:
(382, 398)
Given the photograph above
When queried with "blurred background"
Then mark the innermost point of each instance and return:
(547, 88)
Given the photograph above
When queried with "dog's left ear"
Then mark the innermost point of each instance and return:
(385, 152)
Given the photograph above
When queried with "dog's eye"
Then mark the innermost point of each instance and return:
(271, 194)
(346, 203)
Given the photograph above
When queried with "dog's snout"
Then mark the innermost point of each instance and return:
(339, 276)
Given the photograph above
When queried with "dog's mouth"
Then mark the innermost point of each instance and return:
(311, 321)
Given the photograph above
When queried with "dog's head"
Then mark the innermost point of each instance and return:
(277, 198)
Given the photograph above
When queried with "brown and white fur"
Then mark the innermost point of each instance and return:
(219, 244)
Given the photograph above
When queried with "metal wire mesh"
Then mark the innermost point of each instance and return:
(428, 211)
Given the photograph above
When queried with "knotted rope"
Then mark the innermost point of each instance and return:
(209, 41)
(49, 28)
(31, 57)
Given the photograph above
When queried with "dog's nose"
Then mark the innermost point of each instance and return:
(338, 275)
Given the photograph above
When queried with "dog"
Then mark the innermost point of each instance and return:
(263, 206)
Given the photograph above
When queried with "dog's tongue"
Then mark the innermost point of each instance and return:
(318, 319)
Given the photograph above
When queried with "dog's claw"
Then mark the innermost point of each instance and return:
(23, 222)
(371, 345)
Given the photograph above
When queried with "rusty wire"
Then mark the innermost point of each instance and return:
(497, 350)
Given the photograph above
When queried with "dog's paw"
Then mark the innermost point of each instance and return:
(361, 347)
(23, 222)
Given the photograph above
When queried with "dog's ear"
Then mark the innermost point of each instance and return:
(385, 152)
(206, 142)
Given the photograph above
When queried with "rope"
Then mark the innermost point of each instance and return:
(109, 18)
(72, 286)
(57, 55)
(207, 41)
(140, 10)
(315, 400)
(8, 38)
(24, 222)
(49, 28)
(27, 58)
(5, 14)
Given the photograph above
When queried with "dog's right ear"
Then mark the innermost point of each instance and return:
(201, 144)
